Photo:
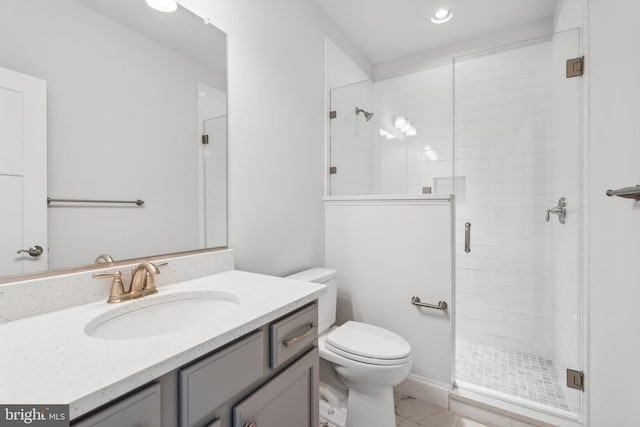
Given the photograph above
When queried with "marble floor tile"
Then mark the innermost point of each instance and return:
(416, 410)
(412, 412)
(403, 422)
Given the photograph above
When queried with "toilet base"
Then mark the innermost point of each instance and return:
(373, 407)
(334, 417)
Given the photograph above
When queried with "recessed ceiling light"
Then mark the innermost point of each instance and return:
(441, 16)
(163, 5)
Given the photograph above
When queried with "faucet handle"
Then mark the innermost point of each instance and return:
(149, 284)
(117, 293)
(104, 259)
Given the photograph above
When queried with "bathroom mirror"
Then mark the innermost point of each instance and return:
(127, 104)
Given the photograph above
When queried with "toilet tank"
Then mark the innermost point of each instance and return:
(327, 302)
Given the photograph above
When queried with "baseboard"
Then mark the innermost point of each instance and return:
(424, 389)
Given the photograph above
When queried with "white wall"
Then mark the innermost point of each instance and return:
(385, 252)
(276, 128)
(613, 224)
(443, 55)
(341, 70)
(102, 125)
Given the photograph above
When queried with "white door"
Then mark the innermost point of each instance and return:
(23, 172)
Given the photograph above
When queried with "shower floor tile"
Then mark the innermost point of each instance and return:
(523, 375)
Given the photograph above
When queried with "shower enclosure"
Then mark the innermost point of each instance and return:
(517, 159)
(500, 129)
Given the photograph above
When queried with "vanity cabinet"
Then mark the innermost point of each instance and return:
(268, 376)
(292, 333)
(236, 367)
(139, 409)
(290, 399)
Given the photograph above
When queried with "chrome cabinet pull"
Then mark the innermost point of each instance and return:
(467, 237)
(292, 341)
(560, 210)
(34, 251)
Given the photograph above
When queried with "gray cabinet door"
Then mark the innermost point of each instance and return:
(288, 400)
(207, 384)
(140, 409)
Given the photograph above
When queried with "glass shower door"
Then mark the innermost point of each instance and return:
(518, 160)
(352, 140)
(214, 155)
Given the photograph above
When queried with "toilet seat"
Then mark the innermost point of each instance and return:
(369, 344)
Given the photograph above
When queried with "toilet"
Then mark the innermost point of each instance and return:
(368, 360)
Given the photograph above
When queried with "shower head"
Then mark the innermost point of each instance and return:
(366, 115)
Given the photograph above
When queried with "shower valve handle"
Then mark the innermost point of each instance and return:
(560, 210)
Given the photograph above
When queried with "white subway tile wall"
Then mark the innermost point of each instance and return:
(504, 290)
(406, 164)
(368, 163)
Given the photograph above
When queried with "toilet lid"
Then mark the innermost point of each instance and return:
(368, 341)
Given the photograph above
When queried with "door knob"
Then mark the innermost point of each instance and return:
(34, 251)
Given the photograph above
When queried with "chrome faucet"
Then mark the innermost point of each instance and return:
(142, 282)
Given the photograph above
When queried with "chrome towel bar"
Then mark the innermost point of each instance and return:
(136, 202)
(627, 192)
(442, 305)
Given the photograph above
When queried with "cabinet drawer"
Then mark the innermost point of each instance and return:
(140, 409)
(207, 384)
(293, 334)
(288, 400)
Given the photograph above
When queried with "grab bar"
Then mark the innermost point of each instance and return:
(627, 192)
(136, 202)
(442, 305)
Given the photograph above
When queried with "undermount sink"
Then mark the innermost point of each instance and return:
(162, 314)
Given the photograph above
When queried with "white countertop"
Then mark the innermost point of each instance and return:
(48, 359)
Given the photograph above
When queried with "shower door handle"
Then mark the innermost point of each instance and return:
(467, 237)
